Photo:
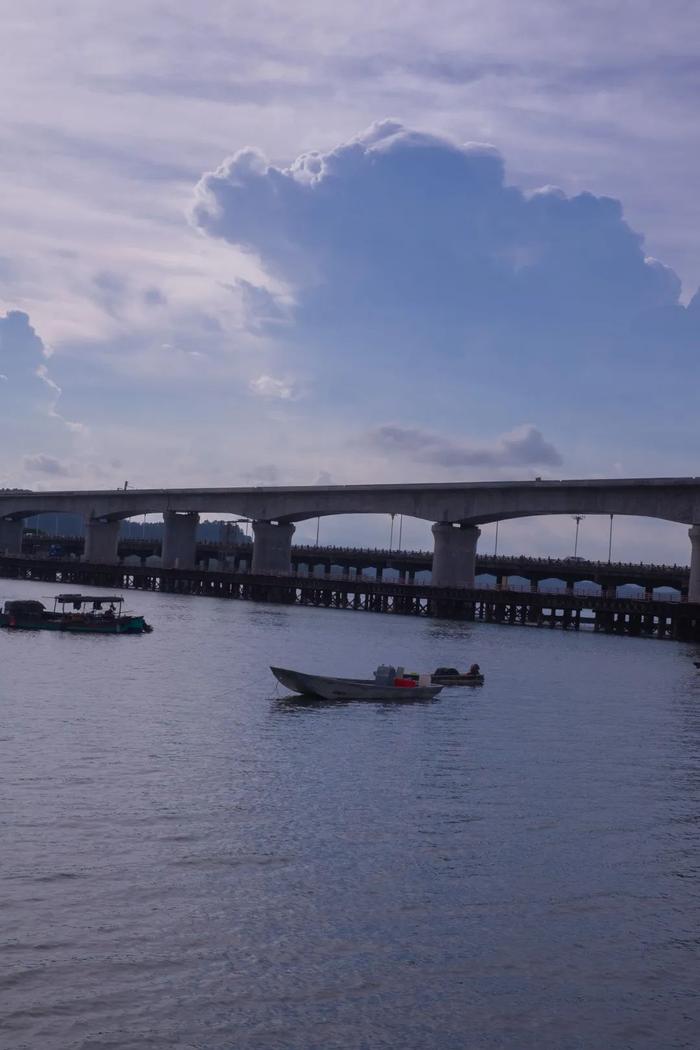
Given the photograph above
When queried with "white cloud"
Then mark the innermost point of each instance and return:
(272, 387)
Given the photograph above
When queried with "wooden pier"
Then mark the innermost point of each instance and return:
(631, 616)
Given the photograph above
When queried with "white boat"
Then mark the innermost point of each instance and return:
(350, 688)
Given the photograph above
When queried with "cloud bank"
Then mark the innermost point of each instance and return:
(523, 447)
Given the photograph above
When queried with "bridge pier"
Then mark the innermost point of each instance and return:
(694, 583)
(101, 541)
(179, 540)
(272, 546)
(11, 535)
(454, 556)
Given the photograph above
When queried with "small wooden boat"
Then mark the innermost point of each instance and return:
(451, 676)
(74, 612)
(350, 688)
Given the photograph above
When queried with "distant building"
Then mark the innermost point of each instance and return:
(74, 525)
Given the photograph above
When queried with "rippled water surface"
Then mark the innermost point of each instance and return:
(188, 862)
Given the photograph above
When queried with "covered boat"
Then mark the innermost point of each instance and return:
(451, 676)
(82, 614)
(324, 688)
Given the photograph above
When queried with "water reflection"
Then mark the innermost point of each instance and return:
(305, 703)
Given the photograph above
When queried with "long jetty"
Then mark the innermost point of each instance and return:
(649, 616)
(354, 561)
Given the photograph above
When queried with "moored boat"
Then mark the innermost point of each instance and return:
(325, 688)
(451, 676)
(78, 613)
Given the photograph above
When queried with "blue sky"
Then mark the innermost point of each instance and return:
(245, 244)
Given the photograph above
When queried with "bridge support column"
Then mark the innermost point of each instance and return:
(454, 556)
(101, 540)
(11, 536)
(694, 583)
(179, 540)
(272, 547)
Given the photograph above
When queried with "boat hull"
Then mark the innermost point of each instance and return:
(461, 679)
(349, 688)
(126, 625)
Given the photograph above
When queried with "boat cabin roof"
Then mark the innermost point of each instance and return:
(88, 599)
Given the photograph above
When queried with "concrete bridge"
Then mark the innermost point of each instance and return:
(456, 511)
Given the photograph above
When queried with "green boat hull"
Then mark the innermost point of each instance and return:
(128, 625)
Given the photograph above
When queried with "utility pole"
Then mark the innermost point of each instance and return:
(578, 518)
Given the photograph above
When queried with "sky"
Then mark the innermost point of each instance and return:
(262, 243)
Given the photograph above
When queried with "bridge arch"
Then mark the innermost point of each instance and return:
(460, 507)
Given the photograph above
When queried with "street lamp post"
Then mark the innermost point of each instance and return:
(610, 540)
(495, 546)
(578, 518)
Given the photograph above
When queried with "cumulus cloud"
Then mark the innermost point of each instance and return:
(28, 386)
(414, 223)
(21, 350)
(522, 447)
(415, 275)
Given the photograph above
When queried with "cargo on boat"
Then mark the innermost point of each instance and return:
(82, 614)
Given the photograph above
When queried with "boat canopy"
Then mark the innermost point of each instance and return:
(97, 601)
